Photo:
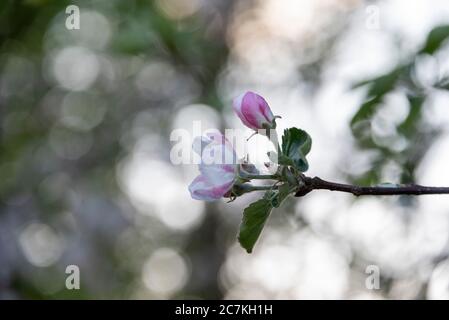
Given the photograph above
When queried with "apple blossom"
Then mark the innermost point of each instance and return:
(218, 168)
(254, 111)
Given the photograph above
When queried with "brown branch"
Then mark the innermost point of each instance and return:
(316, 183)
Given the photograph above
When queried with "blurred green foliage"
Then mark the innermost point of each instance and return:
(87, 186)
(418, 136)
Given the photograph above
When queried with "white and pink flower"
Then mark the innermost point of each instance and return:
(218, 168)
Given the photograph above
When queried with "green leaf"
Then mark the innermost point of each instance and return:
(254, 218)
(442, 84)
(411, 122)
(284, 160)
(377, 88)
(383, 84)
(435, 39)
(272, 196)
(365, 111)
(283, 192)
(296, 144)
(276, 197)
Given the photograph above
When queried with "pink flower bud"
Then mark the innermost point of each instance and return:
(254, 111)
(217, 167)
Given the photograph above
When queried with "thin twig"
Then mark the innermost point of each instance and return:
(316, 183)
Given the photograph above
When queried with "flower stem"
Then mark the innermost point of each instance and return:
(262, 188)
(260, 176)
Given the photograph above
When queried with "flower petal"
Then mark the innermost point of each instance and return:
(218, 167)
(199, 143)
(218, 174)
(202, 189)
(265, 109)
(218, 151)
(237, 105)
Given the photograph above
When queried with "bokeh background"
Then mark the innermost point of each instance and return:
(85, 123)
